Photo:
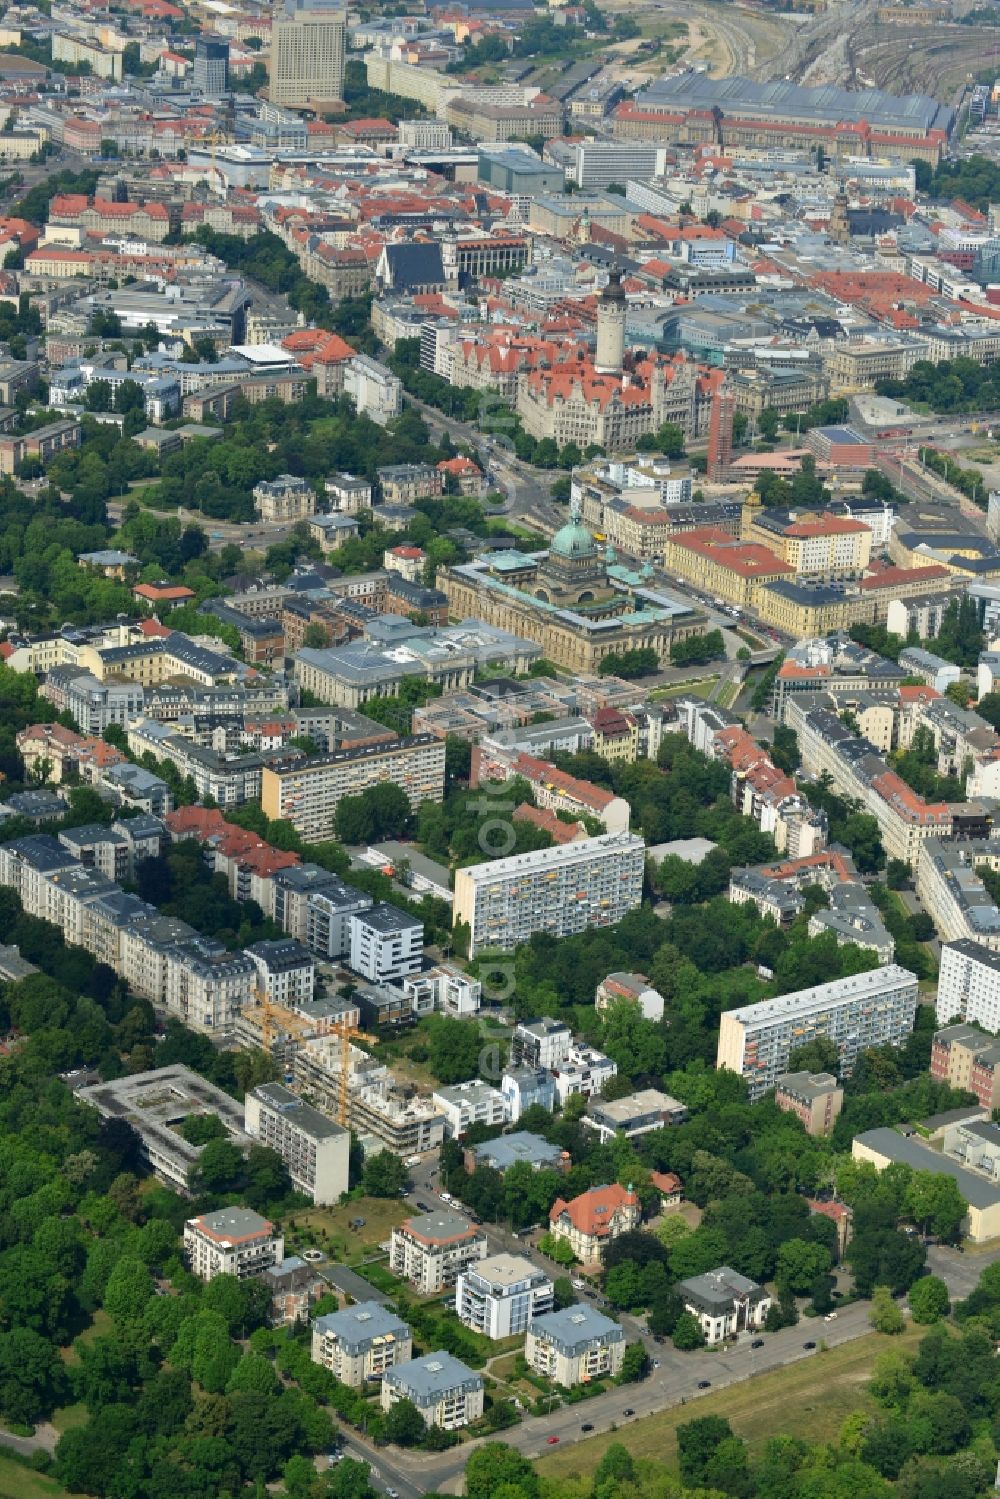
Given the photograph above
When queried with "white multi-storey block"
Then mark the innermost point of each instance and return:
(466, 1104)
(560, 891)
(314, 1148)
(232, 1241)
(969, 985)
(499, 1296)
(386, 943)
(865, 1010)
(360, 1342)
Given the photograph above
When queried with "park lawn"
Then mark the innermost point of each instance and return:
(17, 1482)
(330, 1227)
(68, 1416)
(814, 1395)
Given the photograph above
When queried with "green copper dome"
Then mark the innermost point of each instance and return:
(573, 540)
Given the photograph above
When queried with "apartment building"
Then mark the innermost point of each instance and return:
(589, 1222)
(905, 820)
(307, 54)
(636, 1114)
(314, 906)
(725, 1303)
(964, 1057)
(560, 891)
(313, 1147)
(402, 483)
(466, 1104)
(862, 1011)
(374, 389)
(444, 1390)
(432, 1250)
(541, 1043)
(948, 885)
(554, 789)
(574, 1346)
(523, 1087)
(207, 986)
(286, 971)
(287, 499)
(969, 985)
(386, 943)
(360, 1342)
(815, 1097)
(307, 792)
(231, 1241)
(499, 1296)
(633, 988)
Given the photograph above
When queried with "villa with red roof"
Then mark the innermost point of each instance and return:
(589, 1222)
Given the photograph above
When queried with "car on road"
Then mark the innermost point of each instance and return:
(757, 1343)
(704, 1384)
(578, 1285)
(830, 1317)
(551, 1441)
(628, 1411)
(810, 1344)
(656, 1363)
(391, 1493)
(587, 1426)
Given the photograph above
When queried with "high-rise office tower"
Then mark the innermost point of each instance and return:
(210, 73)
(307, 53)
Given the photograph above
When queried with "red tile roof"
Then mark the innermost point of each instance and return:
(592, 1212)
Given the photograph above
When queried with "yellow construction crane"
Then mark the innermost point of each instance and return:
(275, 1018)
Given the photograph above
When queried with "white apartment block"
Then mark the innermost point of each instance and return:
(308, 794)
(466, 1104)
(866, 1010)
(286, 971)
(585, 1071)
(443, 988)
(969, 985)
(432, 1250)
(314, 1148)
(360, 1343)
(445, 1391)
(575, 1345)
(386, 944)
(592, 883)
(541, 1043)
(231, 1241)
(375, 390)
(499, 1296)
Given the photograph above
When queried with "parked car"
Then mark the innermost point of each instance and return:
(587, 1426)
(757, 1343)
(830, 1317)
(704, 1384)
(628, 1411)
(810, 1344)
(552, 1441)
